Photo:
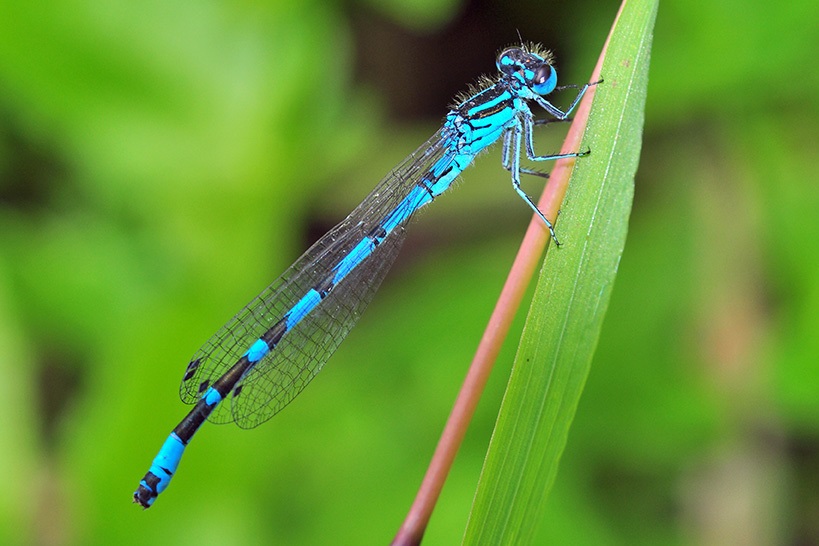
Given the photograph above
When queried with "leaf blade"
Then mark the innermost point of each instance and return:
(570, 301)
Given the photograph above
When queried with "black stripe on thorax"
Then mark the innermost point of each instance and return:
(480, 106)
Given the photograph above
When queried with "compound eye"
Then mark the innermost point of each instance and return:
(544, 80)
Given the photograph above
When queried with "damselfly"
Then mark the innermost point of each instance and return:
(268, 353)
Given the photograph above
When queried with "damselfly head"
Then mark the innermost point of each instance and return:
(531, 65)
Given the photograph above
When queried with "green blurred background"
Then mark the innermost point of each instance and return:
(162, 162)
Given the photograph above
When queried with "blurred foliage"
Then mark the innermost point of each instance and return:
(161, 162)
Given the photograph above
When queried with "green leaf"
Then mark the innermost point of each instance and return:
(571, 298)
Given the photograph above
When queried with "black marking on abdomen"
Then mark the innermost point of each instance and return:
(378, 234)
(324, 287)
(275, 333)
(225, 384)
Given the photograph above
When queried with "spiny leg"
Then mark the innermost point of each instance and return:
(507, 163)
(512, 138)
(557, 112)
(511, 162)
(547, 121)
(527, 124)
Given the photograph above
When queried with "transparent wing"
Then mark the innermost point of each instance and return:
(287, 369)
